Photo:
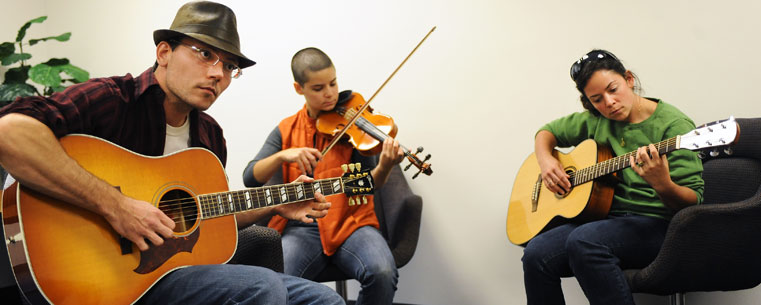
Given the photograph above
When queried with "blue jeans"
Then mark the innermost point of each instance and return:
(364, 256)
(596, 253)
(236, 284)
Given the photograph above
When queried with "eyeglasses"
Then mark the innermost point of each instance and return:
(596, 54)
(210, 58)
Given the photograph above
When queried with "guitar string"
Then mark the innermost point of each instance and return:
(237, 203)
(603, 168)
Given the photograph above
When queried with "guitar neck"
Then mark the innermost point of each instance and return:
(615, 164)
(232, 202)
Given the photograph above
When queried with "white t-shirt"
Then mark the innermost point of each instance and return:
(177, 138)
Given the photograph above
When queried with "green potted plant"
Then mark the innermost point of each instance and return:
(21, 79)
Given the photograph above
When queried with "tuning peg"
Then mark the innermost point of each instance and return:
(427, 157)
(351, 201)
(415, 175)
(419, 150)
(728, 150)
(364, 199)
(408, 166)
(358, 166)
(351, 167)
(714, 153)
(344, 167)
(701, 155)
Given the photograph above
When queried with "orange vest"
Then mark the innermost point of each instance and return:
(300, 130)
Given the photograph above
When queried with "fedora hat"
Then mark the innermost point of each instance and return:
(209, 22)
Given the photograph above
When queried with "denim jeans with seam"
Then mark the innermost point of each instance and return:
(237, 284)
(365, 256)
(596, 253)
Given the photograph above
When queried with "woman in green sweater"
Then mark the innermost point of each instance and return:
(645, 198)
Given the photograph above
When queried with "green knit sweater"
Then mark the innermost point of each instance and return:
(633, 194)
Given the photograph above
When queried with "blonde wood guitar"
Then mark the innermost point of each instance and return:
(63, 254)
(533, 208)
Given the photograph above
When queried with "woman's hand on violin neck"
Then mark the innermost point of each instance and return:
(305, 157)
(391, 154)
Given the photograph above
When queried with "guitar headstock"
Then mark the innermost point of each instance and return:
(357, 183)
(422, 166)
(711, 137)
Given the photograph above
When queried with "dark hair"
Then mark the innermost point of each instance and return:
(312, 59)
(595, 60)
(172, 44)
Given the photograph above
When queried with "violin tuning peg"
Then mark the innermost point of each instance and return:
(419, 150)
(714, 153)
(344, 167)
(427, 157)
(351, 201)
(415, 175)
(407, 167)
(358, 165)
(351, 167)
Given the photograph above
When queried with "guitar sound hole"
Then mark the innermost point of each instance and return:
(180, 207)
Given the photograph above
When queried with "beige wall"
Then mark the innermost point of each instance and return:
(473, 95)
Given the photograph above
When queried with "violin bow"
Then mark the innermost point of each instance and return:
(362, 109)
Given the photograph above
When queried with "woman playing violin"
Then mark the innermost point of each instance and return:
(645, 197)
(348, 236)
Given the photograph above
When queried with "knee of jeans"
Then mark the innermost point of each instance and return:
(532, 258)
(579, 247)
(383, 273)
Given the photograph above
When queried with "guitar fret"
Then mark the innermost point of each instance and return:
(283, 194)
(230, 202)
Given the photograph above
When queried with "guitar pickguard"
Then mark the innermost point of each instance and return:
(155, 256)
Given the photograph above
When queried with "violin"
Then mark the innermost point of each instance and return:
(368, 131)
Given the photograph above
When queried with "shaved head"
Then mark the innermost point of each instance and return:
(309, 59)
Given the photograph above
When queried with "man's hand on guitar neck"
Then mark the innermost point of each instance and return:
(305, 211)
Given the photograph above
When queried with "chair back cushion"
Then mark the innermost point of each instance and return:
(730, 179)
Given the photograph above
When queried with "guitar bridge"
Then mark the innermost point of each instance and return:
(535, 193)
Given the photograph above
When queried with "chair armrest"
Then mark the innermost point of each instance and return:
(259, 246)
(707, 248)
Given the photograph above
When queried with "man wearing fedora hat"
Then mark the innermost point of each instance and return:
(158, 112)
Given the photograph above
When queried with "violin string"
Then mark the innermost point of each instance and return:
(376, 132)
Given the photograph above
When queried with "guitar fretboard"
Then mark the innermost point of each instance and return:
(226, 203)
(615, 164)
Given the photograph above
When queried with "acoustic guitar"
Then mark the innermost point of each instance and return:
(63, 254)
(533, 208)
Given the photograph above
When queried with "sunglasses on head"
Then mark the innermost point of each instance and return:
(593, 55)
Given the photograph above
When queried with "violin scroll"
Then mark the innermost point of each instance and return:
(422, 166)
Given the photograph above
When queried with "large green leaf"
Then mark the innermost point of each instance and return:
(9, 92)
(76, 72)
(6, 48)
(17, 75)
(43, 74)
(57, 62)
(22, 30)
(15, 57)
(62, 37)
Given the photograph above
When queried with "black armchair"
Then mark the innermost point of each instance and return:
(259, 246)
(398, 210)
(714, 246)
